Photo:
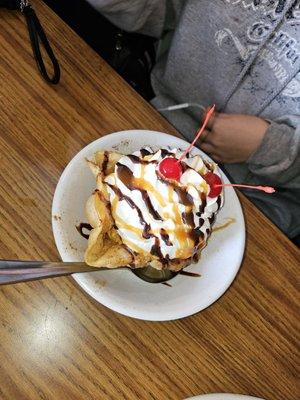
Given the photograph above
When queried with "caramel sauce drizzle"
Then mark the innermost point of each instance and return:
(225, 225)
(132, 246)
(180, 231)
(170, 193)
(126, 176)
(133, 229)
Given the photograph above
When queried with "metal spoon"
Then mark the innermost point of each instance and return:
(154, 275)
(12, 271)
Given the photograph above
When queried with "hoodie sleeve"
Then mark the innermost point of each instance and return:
(144, 16)
(278, 157)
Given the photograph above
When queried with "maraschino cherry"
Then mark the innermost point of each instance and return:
(170, 167)
(216, 185)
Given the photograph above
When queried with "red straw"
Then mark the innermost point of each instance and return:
(267, 189)
(207, 117)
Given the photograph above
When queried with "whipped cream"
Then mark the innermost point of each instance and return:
(170, 220)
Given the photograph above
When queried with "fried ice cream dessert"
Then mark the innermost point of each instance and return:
(139, 218)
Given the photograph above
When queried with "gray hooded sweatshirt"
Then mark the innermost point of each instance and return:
(243, 56)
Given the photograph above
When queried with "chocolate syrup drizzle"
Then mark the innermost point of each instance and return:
(84, 225)
(150, 207)
(165, 237)
(137, 160)
(202, 206)
(145, 152)
(146, 232)
(105, 161)
(164, 153)
(187, 273)
(126, 176)
(184, 197)
(156, 250)
(212, 219)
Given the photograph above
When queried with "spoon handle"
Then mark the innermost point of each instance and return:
(20, 271)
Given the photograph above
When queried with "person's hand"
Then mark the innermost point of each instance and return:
(233, 138)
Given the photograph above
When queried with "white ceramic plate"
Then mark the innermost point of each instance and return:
(223, 396)
(121, 290)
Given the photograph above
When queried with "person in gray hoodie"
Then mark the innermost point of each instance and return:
(243, 56)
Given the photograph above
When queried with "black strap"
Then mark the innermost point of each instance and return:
(37, 35)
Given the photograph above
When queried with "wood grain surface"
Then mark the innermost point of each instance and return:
(55, 341)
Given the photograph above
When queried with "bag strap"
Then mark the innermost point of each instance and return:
(37, 35)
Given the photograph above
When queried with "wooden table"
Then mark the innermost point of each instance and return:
(55, 341)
